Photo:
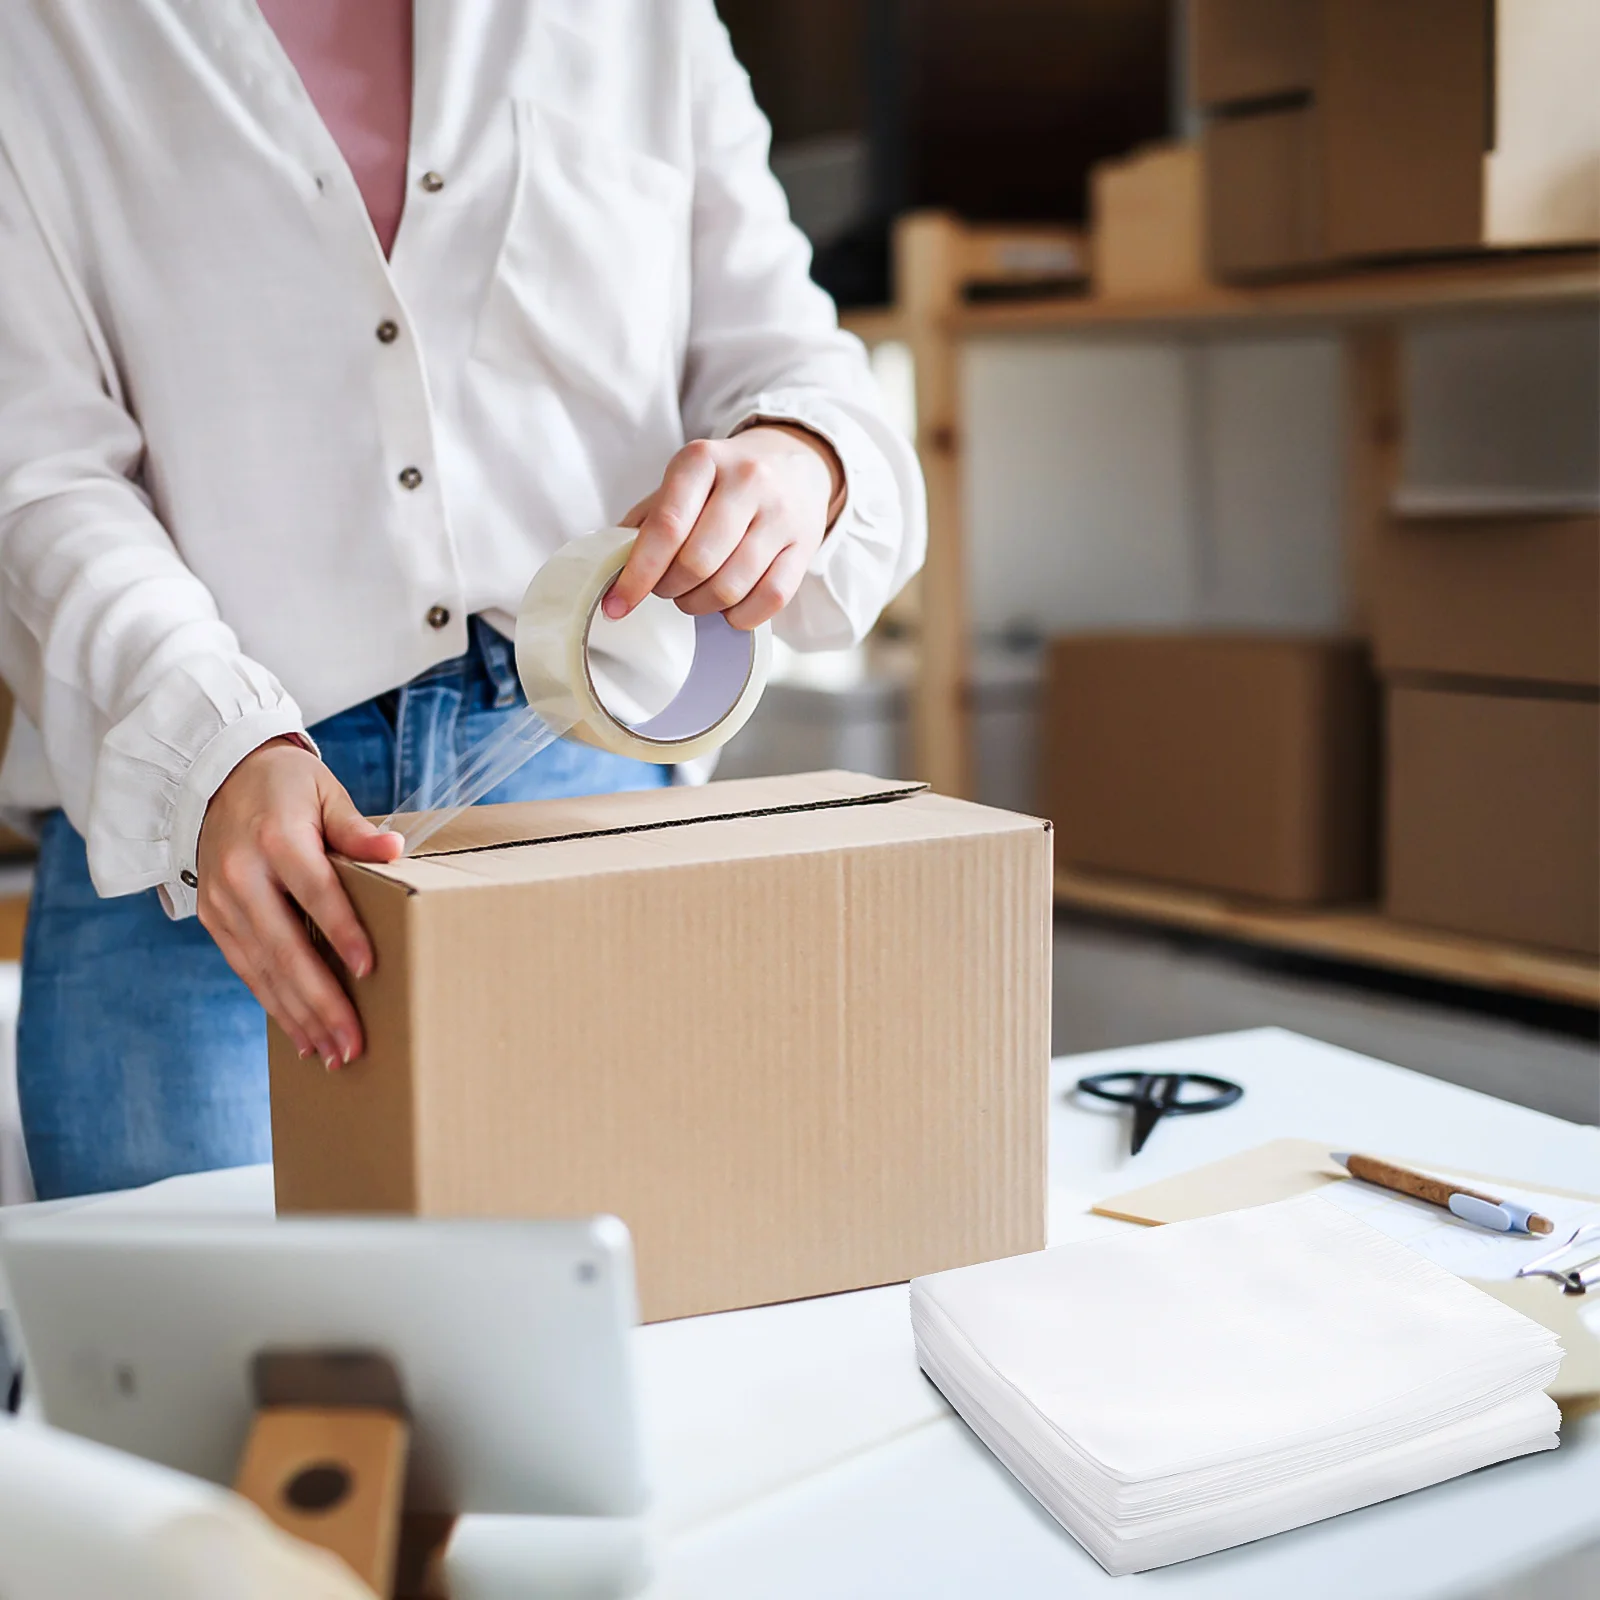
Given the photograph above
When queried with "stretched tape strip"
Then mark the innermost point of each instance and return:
(723, 686)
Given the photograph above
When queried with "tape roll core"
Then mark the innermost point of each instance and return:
(724, 684)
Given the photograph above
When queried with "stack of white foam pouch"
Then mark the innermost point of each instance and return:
(1174, 1391)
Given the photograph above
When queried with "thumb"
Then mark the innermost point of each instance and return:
(348, 832)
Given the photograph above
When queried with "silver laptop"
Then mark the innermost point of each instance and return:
(512, 1342)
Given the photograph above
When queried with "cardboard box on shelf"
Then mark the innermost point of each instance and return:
(1148, 228)
(1262, 182)
(1379, 154)
(1251, 50)
(1244, 764)
(1404, 102)
(795, 1032)
(1493, 815)
(1513, 598)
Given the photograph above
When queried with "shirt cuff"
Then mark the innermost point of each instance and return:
(210, 769)
(157, 769)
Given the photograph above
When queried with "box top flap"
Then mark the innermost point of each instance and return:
(495, 828)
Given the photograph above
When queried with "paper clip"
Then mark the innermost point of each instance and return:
(1578, 1277)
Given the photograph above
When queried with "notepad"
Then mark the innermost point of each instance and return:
(1466, 1250)
(1170, 1393)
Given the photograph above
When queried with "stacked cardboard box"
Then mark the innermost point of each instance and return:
(1488, 635)
(1148, 224)
(1238, 763)
(1358, 129)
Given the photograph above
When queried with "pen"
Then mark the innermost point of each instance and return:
(1503, 1216)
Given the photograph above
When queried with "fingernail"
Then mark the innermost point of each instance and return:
(359, 967)
(614, 606)
(306, 1052)
(331, 1062)
(349, 1054)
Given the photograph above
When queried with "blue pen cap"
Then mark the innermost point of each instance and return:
(1501, 1218)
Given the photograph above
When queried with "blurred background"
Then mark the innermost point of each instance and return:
(1252, 351)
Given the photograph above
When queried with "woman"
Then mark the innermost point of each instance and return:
(322, 324)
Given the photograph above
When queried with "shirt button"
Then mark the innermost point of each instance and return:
(188, 879)
(388, 331)
(432, 182)
(438, 617)
(410, 477)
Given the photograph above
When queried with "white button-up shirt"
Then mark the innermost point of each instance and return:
(252, 473)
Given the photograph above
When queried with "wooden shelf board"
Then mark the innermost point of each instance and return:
(1501, 280)
(874, 325)
(1359, 935)
(13, 920)
(1482, 283)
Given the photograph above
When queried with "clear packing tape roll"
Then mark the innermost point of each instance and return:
(556, 662)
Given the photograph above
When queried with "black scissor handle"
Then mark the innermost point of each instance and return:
(1143, 1086)
(1154, 1095)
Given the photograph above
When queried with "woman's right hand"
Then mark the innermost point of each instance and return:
(265, 843)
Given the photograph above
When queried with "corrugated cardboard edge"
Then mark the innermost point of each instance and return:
(376, 1092)
(790, 810)
(875, 792)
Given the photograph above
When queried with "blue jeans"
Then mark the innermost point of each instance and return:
(139, 1053)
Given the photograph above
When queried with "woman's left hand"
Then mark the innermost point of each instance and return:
(733, 526)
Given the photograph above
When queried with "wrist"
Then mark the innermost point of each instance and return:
(819, 447)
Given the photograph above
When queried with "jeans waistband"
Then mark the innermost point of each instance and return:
(490, 661)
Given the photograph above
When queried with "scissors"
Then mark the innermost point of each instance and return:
(1154, 1095)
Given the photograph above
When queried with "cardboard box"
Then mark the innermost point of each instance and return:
(1245, 50)
(1381, 155)
(1512, 598)
(795, 1032)
(1244, 764)
(1404, 100)
(1493, 816)
(1148, 223)
(1262, 178)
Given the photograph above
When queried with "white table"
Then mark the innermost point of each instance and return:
(800, 1453)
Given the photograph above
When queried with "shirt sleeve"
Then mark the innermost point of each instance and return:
(114, 649)
(765, 345)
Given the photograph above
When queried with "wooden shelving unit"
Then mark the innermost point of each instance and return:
(1484, 283)
(1568, 277)
(1357, 934)
(934, 261)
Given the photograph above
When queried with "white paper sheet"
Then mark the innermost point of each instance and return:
(1460, 1247)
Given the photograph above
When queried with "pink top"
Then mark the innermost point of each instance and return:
(354, 57)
